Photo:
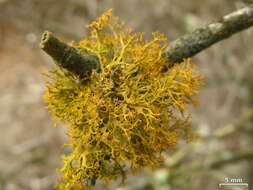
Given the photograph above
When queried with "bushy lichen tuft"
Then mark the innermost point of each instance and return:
(125, 115)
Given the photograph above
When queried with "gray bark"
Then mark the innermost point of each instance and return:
(182, 48)
(202, 38)
(68, 57)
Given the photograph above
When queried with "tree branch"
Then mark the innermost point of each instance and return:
(202, 38)
(182, 48)
(68, 57)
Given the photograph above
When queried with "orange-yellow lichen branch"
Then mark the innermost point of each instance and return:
(125, 115)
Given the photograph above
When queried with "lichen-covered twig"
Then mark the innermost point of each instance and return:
(183, 47)
(202, 38)
(68, 57)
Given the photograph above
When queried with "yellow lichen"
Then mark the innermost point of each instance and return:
(125, 115)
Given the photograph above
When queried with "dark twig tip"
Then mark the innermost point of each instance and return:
(44, 38)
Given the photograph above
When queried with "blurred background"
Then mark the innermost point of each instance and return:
(30, 147)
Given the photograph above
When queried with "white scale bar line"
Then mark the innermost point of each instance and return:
(234, 184)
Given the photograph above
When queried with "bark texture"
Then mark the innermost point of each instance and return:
(182, 48)
(68, 57)
(202, 38)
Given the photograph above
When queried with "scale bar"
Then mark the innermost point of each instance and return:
(234, 184)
